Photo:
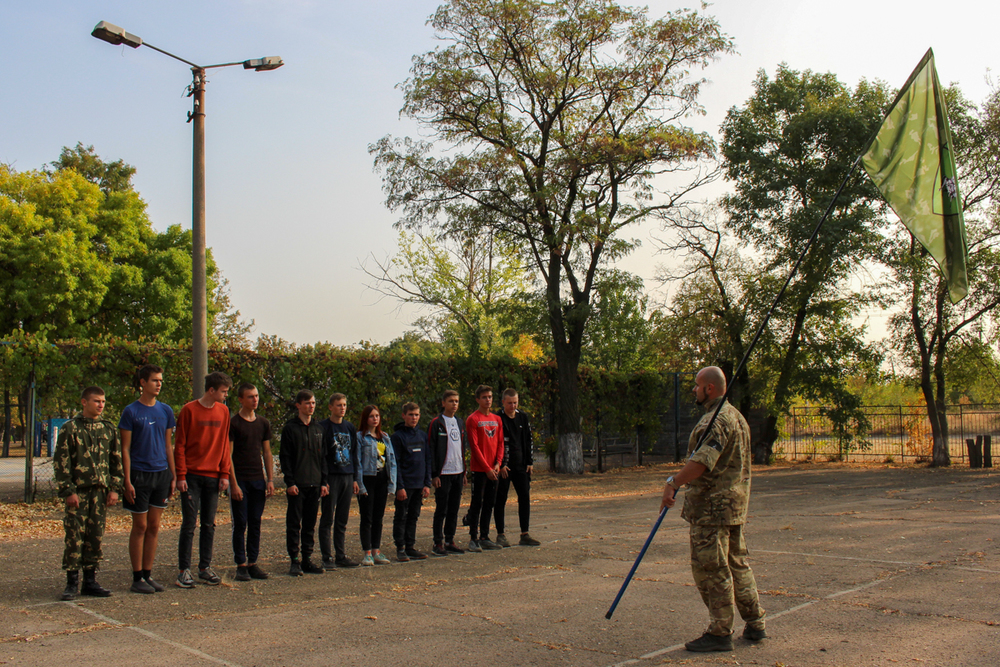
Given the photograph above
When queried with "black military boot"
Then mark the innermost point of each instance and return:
(91, 587)
(72, 585)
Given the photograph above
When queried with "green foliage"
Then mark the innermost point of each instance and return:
(549, 122)
(386, 377)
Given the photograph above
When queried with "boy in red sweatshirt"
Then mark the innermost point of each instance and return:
(485, 433)
(202, 460)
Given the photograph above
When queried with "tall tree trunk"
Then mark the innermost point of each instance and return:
(567, 336)
(765, 448)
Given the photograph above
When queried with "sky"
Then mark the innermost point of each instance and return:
(294, 208)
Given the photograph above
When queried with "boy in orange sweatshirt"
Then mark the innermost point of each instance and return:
(202, 460)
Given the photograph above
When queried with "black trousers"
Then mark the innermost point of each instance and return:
(522, 486)
(300, 519)
(484, 495)
(372, 508)
(404, 523)
(447, 500)
(201, 499)
(335, 509)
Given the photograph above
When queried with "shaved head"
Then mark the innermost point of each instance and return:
(709, 384)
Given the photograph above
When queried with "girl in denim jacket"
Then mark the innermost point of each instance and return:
(376, 479)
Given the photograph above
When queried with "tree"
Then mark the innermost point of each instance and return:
(786, 152)
(467, 280)
(931, 324)
(556, 119)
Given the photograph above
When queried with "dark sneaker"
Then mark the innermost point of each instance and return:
(502, 540)
(255, 572)
(242, 573)
(209, 576)
(142, 586)
(184, 580)
(310, 567)
(708, 642)
(156, 586)
(329, 564)
(474, 547)
(453, 548)
(439, 550)
(414, 554)
(379, 558)
(754, 634)
(528, 541)
(486, 544)
(344, 561)
(401, 556)
(295, 570)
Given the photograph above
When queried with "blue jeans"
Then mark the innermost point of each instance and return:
(246, 519)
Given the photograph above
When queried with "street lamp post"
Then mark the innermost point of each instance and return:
(199, 283)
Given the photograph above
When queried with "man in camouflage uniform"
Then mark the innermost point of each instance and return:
(718, 472)
(89, 475)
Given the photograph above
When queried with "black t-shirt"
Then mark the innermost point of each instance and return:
(247, 437)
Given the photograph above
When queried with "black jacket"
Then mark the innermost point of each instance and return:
(437, 438)
(517, 442)
(413, 461)
(302, 454)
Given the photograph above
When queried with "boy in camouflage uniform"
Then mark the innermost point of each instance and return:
(716, 507)
(89, 475)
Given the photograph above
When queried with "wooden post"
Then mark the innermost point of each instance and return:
(987, 451)
(974, 451)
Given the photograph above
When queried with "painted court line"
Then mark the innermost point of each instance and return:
(155, 637)
(874, 560)
(770, 617)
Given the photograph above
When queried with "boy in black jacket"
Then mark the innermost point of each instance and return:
(413, 481)
(341, 441)
(518, 460)
(303, 463)
(446, 437)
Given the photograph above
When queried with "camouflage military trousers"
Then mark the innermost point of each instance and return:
(723, 577)
(84, 527)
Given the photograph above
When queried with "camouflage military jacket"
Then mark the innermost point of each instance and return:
(720, 496)
(88, 454)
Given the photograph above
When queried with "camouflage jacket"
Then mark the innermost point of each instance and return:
(88, 454)
(720, 496)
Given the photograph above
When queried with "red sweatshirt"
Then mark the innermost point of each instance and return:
(201, 441)
(485, 435)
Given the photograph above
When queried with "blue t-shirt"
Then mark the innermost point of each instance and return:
(148, 424)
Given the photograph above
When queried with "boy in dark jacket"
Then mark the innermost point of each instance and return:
(446, 438)
(303, 463)
(413, 481)
(89, 475)
(518, 460)
(341, 441)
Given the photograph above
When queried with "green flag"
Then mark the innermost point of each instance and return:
(911, 162)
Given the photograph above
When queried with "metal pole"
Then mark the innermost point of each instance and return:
(635, 566)
(199, 297)
(29, 442)
(677, 417)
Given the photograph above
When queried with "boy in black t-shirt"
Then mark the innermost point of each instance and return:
(250, 484)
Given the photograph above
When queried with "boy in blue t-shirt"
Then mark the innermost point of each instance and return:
(147, 428)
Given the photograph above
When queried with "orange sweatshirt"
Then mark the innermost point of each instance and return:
(201, 441)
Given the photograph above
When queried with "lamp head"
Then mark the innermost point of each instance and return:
(263, 64)
(113, 34)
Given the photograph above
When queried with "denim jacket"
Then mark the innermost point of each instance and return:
(368, 452)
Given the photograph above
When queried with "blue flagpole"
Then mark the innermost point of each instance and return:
(635, 566)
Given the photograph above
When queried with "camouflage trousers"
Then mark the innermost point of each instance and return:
(724, 578)
(84, 526)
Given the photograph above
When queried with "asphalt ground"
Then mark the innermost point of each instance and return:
(855, 565)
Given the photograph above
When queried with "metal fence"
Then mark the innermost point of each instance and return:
(896, 433)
